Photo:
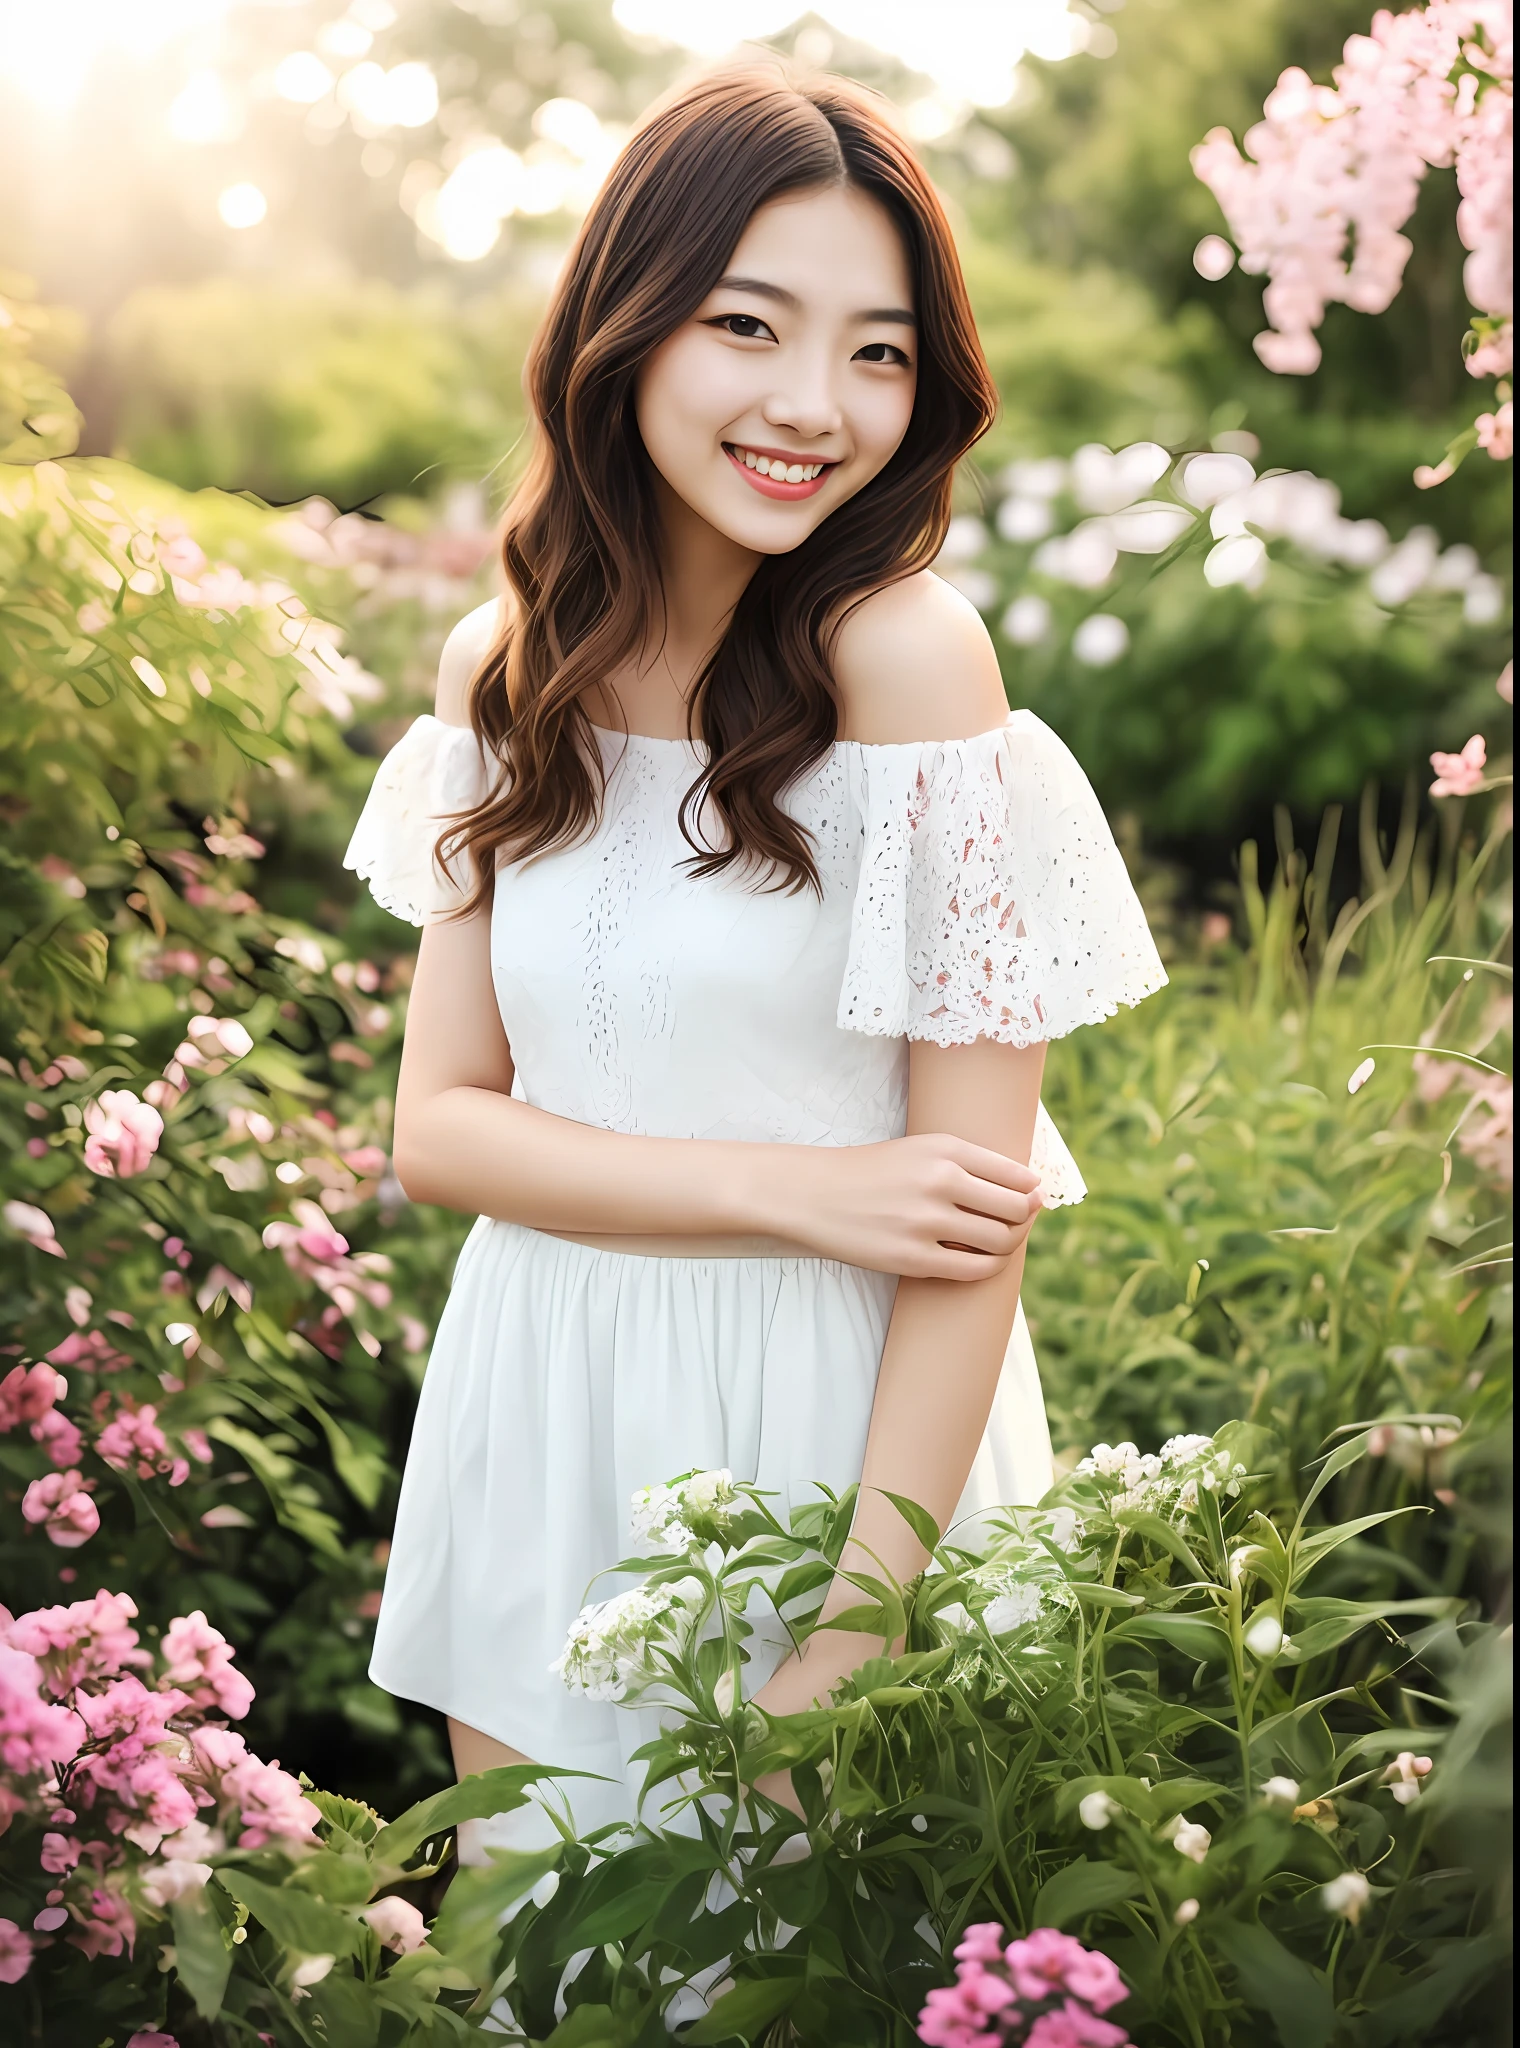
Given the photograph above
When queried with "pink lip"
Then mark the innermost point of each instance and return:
(769, 487)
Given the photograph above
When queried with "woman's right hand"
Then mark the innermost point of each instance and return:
(928, 1207)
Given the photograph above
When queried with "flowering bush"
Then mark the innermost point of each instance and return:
(1335, 173)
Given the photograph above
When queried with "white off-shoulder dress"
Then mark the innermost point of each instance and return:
(970, 889)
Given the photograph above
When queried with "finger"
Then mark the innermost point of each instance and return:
(996, 1167)
(957, 1263)
(989, 1198)
(988, 1235)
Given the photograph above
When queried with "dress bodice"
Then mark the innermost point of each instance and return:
(968, 889)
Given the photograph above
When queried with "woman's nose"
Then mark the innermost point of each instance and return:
(806, 406)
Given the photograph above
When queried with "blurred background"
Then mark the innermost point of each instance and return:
(295, 249)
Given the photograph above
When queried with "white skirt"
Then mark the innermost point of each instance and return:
(563, 1378)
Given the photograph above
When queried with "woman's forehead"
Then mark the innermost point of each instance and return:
(836, 244)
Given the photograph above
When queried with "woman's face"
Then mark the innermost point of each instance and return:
(792, 384)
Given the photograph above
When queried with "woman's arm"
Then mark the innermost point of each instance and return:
(940, 1366)
(914, 662)
(930, 1204)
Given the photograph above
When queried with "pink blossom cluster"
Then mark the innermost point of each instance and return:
(1332, 174)
(1046, 1991)
(112, 1760)
(312, 1246)
(30, 1394)
(133, 1442)
(123, 1134)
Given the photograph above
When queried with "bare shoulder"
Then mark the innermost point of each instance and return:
(465, 649)
(915, 662)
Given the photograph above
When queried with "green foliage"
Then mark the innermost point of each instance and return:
(37, 416)
(350, 391)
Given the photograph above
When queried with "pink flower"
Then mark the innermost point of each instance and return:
(272, 1805)
(59, 1853)
(124, 1134)
(106, 1926)
(1496, 431)
(1460, 774)
(982, 1942)
(16, 1947)
(1074, 2027)
(28, 1393)
(198, 1658)
(34, 1224)
(87, 1639)
(152, 2040)
(60, 1438)
(198, 1444)
(398, 1923)
(132, 1438)
(61, 1503)
(35, 1735)
(217, 1750)
(90, 1348)
(948, 2020)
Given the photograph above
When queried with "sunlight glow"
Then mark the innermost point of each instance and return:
(406, 96)
(202, 112)
(48, 47)
(970, 48)
(303, 78)
(242, 206)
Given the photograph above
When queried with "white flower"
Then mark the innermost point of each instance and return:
(1065, 1529)
(1187, 1500)
(195, 1840)
(1189, 1838)
(1243, 1561)
(609, 1650)
(724, 1693)
(1265, 1638)
(310, 1970)
(1013, 1609)
(1097, 1810)
(1105, 1460)
(1403, 1775)
(1280, 1792)
(545, 1889)
(1346, 1895)
(661, 1516)
(1361, 1076)
(1186, 1913)
(1177, 1450)
(163, 1883)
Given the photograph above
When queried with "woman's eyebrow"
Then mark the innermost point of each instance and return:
(757, 287)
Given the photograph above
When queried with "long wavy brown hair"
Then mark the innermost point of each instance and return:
(581, 546)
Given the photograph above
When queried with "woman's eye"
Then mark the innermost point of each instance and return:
(747, 326)
(881, 352)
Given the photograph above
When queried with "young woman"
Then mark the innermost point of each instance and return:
(751, 913)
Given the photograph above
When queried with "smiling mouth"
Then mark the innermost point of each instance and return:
(778, 475)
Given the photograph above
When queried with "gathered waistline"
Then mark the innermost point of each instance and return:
(693, 1247)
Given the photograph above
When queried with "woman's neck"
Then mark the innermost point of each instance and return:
(703, 574)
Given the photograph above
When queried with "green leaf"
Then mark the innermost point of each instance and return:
(477, 1797)
(1203, 1641)
(590, 2026)
(295, 1918)
(1296, 1997)
(1082, 1887)
(918, 1519)
(202, 1959)
(469, 1925)
(742, 2013)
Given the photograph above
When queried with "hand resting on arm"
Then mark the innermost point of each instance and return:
(934, 1205)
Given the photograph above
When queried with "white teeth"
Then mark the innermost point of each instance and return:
(773, 466)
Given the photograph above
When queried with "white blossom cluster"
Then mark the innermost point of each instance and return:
(1165, 1480)
(1027, 1586)
(661, 1517)
(611, 1650)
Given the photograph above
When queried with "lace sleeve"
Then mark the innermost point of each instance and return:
(434, 771)
(993, 902)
